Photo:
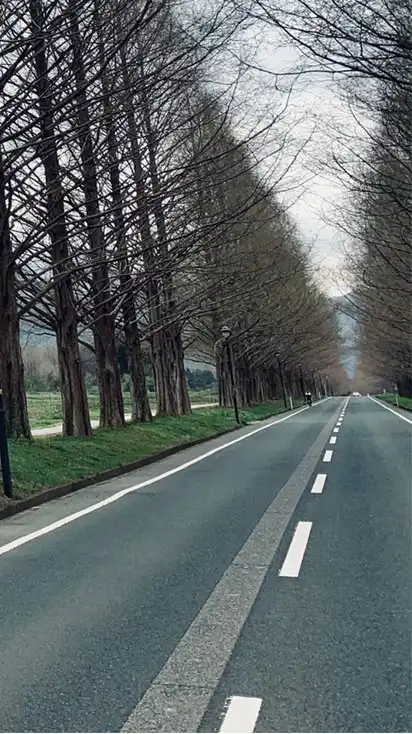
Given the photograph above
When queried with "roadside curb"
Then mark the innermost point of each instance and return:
(54, 493)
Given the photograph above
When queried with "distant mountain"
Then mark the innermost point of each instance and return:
(32, 336)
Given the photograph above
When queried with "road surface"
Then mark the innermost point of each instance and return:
(57, 428)
(262, 578)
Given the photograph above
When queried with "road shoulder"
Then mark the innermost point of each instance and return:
(56, 510)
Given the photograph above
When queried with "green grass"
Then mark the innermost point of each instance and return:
(56, 460)
(265, 410)
(405, 403)
(45, 408)
(203, 396)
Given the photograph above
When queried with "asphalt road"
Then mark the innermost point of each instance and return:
(204, 592)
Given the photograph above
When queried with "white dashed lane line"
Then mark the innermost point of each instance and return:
(333, 439)
(294, 557)
(241, 715)
(328, 455)
(319, 484)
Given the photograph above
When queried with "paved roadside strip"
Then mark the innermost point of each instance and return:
(396, 411)
(48, 494)
(29, 524)
(61, 490)
(178, 697)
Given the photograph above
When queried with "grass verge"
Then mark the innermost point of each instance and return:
(54, 461)
(405, 403)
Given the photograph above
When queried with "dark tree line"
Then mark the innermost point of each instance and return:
(366, 45)
(133, 214)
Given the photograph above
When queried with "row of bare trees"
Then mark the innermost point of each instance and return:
(131, 212)
(366, 46)
(385, 289)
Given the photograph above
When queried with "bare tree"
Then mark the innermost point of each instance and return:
(11, 362)
(75, 410)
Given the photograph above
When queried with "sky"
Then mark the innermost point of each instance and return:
(311, 117)
(316, 203)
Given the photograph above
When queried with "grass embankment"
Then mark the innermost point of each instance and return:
(45, 408)
(405, 403)
(56, 460)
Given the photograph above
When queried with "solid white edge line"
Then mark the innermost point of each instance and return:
(386, 407)
(319, 484)
(294, 557)
(333, 439)
(241, 715)
(122, 493)
(328, 455)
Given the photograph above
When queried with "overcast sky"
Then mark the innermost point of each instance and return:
(308, 105)
(317, 202)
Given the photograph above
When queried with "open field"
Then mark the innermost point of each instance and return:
(45, 407)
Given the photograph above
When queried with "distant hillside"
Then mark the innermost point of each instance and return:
(345, 307)
(31, 336)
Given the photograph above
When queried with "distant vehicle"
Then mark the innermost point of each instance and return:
(356, 394)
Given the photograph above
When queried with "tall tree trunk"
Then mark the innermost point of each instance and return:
(76, 419)
(111, 399)
(244, 383)
(11, 362)
(171, 326)
(140, 401)
(165, 398)
(225, 387)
